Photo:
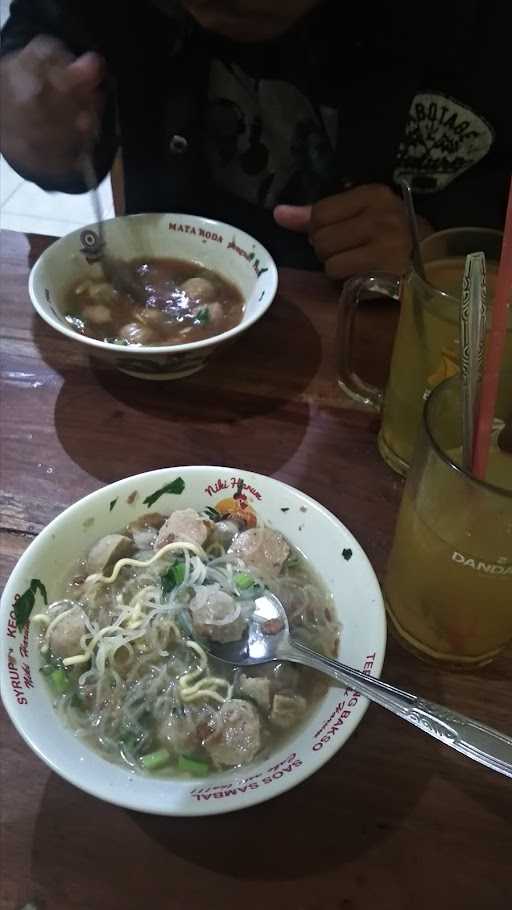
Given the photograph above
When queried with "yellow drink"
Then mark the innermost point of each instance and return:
(426, 351)
(448, 586)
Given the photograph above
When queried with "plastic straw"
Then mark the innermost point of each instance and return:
(495, 350)
(472, 340)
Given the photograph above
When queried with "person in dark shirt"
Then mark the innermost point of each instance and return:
(294, 120)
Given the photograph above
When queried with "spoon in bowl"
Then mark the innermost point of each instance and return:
(268, 638)
(117, 272)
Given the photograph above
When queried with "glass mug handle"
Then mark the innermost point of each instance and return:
(379, 284)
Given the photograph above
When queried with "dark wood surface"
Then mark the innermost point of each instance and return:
(394, 821)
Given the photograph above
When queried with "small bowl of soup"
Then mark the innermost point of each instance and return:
(186, 286)
(104, 619)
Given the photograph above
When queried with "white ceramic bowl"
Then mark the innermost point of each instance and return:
(310, 527)
(211, 244)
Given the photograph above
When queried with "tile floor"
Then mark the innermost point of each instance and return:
(25, 207)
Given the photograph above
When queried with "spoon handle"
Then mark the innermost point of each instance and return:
(477, 741)
(91, 182)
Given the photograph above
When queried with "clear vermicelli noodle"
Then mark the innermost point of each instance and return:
(130, 675)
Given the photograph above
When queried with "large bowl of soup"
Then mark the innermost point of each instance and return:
(104, 669)
(179, 287)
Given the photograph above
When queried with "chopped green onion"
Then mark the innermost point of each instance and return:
(129, 741)
(212, 513)
(179, 573)
(293, 561)
(60, 681)
(174, 577)
(116, 340)
(192, 766)
(243, 581)
(77, 701)
(203, 316)
(155, 760)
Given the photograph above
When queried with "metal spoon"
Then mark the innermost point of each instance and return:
(417, 258)
(268, 638)
(117, 272)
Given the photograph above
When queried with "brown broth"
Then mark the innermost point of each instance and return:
(166, 311)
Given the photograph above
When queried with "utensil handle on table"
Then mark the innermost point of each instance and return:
(477, 741)
(377, 284)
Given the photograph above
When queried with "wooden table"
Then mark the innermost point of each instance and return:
(394, 821)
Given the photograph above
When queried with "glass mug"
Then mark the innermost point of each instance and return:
(448, 585)
(426, 347)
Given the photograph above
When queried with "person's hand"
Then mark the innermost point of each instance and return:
(51, 103)
(360, 230)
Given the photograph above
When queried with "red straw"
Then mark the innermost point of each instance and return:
(495, 349)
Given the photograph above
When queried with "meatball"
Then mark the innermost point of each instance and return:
(198, 289)
(215, 311)
(107, 551)
(216, 615)
(261, 549)
(134, 333)
(257, 689)
(287, 710)
(184, 524)
(236, 735)
(97, 313)
(151, 316)
(281, 677)
(67, 632)
(179, 733)
(144, 530)
(224, 531)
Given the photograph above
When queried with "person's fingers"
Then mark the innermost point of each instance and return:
(87, 72)
(344, 265)
(85, 122)
(79, 79)
(351, 203)
(338, 238)
(44, 51)
(293, 217)
(388, 253)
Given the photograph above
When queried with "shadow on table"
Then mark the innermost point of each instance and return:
(366, 793)
(114, 425)
(134, 860)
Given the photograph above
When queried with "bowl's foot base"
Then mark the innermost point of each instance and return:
(163, 377)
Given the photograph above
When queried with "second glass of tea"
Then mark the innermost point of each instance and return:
(426, 349)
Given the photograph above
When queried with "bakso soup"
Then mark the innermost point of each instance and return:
(122, 650)
(175, 302)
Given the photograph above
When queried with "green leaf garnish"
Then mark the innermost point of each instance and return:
(203, 316)
(243, 581)
(175, 486)
(212, 513)
(60, 681)
(173, 577)
(112, 505)
(293, 561)
(23, 606)
(156, 760)
(192, 766)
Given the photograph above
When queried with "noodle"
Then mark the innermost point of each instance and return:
(132, 682)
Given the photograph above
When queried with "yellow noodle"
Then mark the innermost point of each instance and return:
(97, 578)
(205, 693)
